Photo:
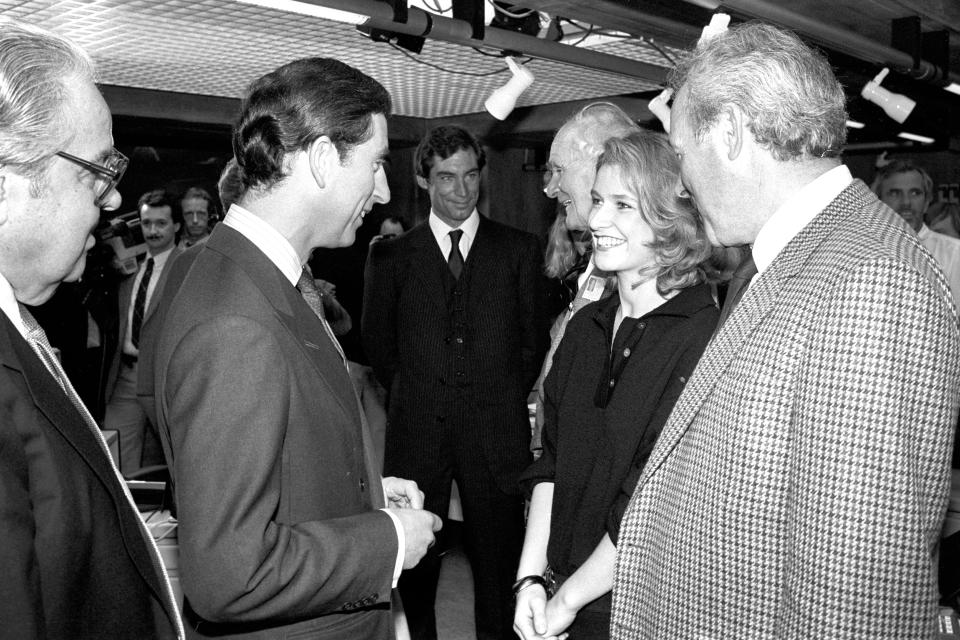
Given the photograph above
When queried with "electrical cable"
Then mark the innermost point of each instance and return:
(439, 68)
(510, 14)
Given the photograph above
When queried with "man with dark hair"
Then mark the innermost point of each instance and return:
(138, 300)
(453, 326)
(76, 560)
(799, 486)
(199, 210)
(283, 530)
(907, 188)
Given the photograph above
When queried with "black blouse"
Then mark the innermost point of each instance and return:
(604, 411)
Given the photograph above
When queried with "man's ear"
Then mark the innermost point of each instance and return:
(322, 156)
(4, 196)
(733, 131)
(422, 182)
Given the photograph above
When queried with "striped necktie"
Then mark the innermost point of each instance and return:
(314, 298)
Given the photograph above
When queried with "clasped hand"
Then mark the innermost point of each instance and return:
(418, 524)
(537, 618)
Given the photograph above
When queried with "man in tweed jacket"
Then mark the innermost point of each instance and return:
(798, 489)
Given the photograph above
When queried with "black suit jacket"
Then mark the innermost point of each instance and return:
(279, 533)
(73, 561)
(408, 336)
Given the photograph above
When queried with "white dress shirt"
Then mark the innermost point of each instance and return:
(946, 251)
(796, 213)
(441, 232)
(159, 262)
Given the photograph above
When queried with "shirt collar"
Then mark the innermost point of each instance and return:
(441, 230)
(8, 304)
(796, 213)
(160, 259)
(686, 303)
(270, 241)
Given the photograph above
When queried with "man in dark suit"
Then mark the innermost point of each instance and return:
(138, 299)
(453, 326)
(282, 533)
(76, 560)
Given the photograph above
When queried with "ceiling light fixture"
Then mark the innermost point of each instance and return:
(953, 87)
(916, 138)
(308, 9)
(502, 101)
(897, 106)
(853, 124)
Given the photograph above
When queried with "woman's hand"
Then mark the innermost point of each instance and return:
(529, 620)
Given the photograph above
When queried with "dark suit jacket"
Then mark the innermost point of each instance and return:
(124, 300)
(73, 561)
(174, 273)
(276, 496)
(407, 337)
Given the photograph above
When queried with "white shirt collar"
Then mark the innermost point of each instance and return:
(8, 304)
(270, 241)
(796, 213)
(158, 260)
(441, 231)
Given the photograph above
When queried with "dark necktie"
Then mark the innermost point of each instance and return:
(139, 303)
(455, 259)
(314, 298)
(737, 287)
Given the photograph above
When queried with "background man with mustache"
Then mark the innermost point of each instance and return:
(138, 298)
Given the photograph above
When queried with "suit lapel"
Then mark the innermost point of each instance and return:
(428, 264)
(482, 259)
(292, 311)
(161, 281)
(56, 407)
(762, 297)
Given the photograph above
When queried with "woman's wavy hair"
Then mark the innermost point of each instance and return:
(648, 165)
(290, 107)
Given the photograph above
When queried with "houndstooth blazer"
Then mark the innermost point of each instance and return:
(798, 489)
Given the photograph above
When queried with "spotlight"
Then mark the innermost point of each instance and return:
(895, 105)
(502, 101)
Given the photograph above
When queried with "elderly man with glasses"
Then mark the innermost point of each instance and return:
(76, 560)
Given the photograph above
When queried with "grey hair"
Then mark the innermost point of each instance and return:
(35, 65)
(787, 91)
(896, 167)
(594, 124)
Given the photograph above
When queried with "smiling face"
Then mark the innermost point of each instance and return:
(622, 239)
(572, 172)
(45, 233)
(454, 186)
(356, 184)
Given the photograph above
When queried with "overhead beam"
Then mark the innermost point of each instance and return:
(843, 40)
(612, 15)
(436, 27)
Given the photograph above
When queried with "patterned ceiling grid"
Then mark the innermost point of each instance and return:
(216, 47)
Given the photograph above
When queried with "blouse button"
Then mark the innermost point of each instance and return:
(613, 383)
(626, 352)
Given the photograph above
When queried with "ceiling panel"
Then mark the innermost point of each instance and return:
(216, 47)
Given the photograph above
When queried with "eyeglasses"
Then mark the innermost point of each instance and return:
(108, 175)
